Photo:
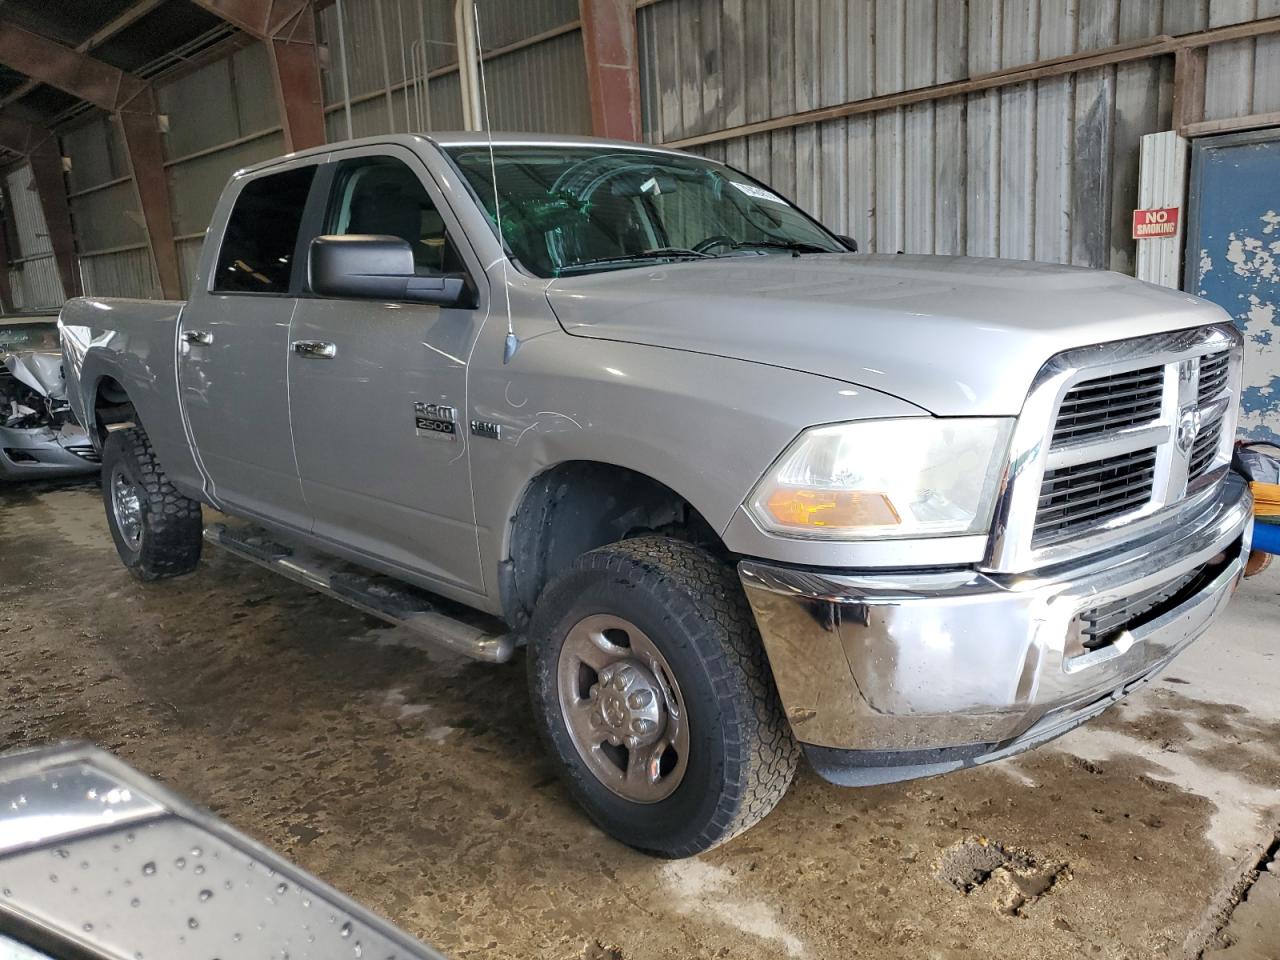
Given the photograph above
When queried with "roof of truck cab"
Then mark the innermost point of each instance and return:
(459, 138)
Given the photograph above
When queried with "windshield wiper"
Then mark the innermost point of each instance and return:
(658, 253)
(796, 247)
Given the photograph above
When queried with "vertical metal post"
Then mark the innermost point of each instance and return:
(47, 174)
(346, 78)
(146, 163)
(386, 64)
(464, 24)
(609, 43)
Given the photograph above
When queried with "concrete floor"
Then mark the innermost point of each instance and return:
(413, 781)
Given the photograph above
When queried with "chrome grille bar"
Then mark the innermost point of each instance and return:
(1111, 437)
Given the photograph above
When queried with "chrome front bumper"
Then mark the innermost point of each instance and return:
(889, 676)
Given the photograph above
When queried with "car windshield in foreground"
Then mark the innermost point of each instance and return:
(576, 209)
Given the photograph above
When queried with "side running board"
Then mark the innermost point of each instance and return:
(440, 621)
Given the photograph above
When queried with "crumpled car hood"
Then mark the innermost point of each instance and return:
(955, 335)
(42, 372)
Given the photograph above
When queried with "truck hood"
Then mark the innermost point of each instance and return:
(954, 335)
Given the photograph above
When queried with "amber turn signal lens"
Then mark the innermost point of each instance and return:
(800, 507)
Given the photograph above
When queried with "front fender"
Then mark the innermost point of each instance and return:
(706, 427)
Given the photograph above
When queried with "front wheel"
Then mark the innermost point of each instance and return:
(652, 690)
(157, 530)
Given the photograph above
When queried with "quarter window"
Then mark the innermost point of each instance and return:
(262, 233)
(381, 195)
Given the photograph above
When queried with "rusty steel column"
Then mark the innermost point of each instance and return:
(288, 28)
(295, 61)
(141, 131)
(51, 185)
(613, 71)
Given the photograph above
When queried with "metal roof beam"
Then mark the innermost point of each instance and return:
(126, 19)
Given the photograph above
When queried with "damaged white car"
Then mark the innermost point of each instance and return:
(39, 436)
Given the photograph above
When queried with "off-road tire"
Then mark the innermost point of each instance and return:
(171, 523)
(742, 755)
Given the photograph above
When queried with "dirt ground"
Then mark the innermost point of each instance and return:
(413, 781)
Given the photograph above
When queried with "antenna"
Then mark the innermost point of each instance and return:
(512, 343)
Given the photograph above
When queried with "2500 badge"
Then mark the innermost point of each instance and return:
(435, 420)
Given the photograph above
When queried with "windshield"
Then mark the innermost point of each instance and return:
(578, 209)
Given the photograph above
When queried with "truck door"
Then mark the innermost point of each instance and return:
(377, 389)
(233, 346)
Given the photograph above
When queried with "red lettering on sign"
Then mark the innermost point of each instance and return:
(1155, 223)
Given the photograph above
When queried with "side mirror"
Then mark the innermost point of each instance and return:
(375, 267)
(849, 242)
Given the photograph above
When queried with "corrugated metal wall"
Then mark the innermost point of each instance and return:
(222, 117)
(1044, 170)
(110, 237)
(33, 275)
(394, 87)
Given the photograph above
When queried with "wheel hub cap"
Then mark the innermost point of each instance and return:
(126, 503)
(622, 708)
(628, 705)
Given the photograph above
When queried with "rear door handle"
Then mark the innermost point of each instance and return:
(203, 337)
(315, 349)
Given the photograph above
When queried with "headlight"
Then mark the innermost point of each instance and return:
(922, 477)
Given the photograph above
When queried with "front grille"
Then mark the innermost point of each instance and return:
(1110, 403)
(1081, 496)
(1214, 370)
(1205, 449)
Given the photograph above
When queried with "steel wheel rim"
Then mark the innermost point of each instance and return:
(607, 665)
(126, 506)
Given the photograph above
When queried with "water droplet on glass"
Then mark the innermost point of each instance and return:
(227, 884)
(196, 851)
(128, 837)
(53, 878)
(358, 950)
(345, 929)
(198, 869)
(306, 903)
(135, 902)
(282, 888)
(193, 923)
(148, 868)
(88, 927)
(235, 937)
(180, 863)
(6, 892)
(61, 853)
(205, 895)
(84, 864)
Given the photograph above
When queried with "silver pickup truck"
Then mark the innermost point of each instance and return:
(740, 491)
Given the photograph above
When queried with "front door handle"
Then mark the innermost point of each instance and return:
(203, 337)
(315, 349)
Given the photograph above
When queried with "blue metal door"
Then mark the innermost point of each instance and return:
(1233, 258)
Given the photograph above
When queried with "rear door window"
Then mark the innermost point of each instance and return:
(262, 234)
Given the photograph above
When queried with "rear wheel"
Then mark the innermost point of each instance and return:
(652, 690)
(157, 530)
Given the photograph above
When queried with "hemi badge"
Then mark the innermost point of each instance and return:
(486, 428)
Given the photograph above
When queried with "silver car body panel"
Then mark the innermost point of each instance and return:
(958, 336)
